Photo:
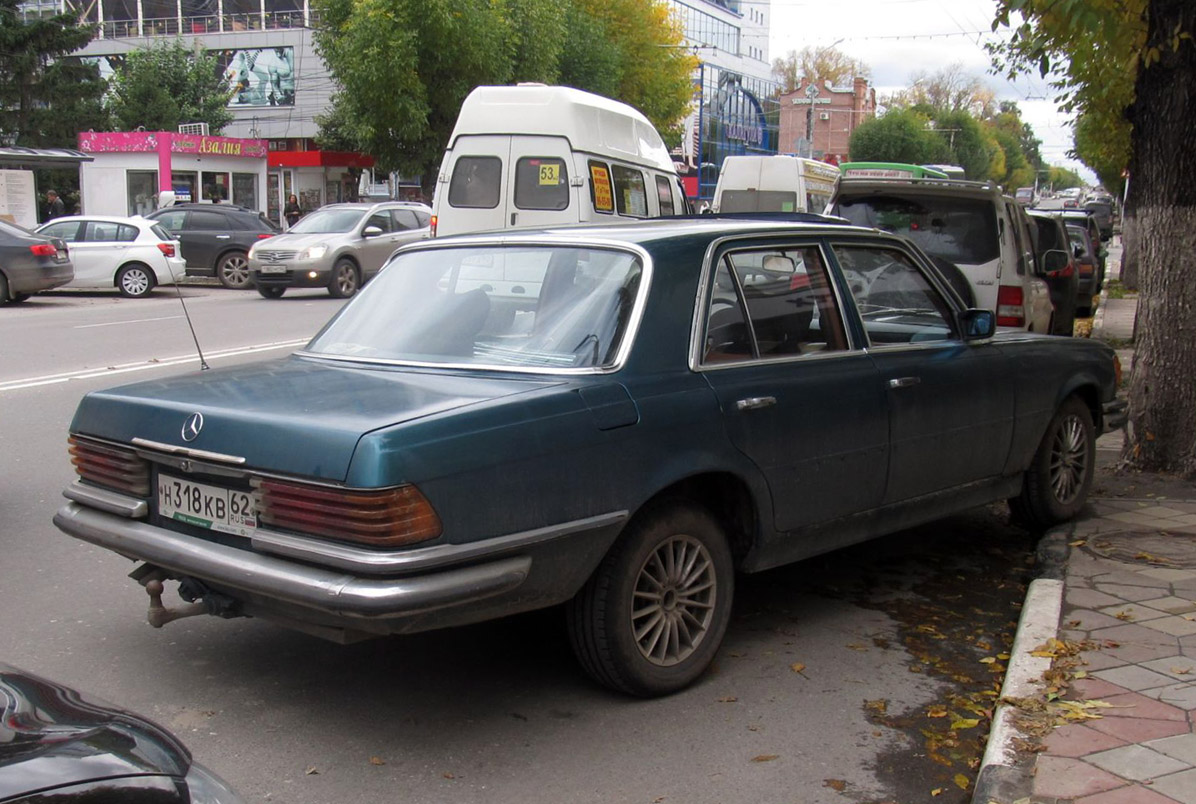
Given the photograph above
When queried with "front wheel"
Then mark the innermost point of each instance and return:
(271, 291)
(345, 280)
(233, 271)
(135, 281)
(1056, 485)
(652, 616)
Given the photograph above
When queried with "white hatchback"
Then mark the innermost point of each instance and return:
(133, 255)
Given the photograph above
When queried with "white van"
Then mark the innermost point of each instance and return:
(536, 155)
(774, 184)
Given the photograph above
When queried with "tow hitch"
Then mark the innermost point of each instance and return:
(200, 599)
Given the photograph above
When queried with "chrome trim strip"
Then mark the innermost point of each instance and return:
(470, 241)
(393, 562)
(110, 501)
(198, 454)
(325, 590)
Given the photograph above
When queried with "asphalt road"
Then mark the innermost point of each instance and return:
(821, 692)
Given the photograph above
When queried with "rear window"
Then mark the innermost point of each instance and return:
(541, 182)
(208, 221)
(758, 201)
(664, 193)
(161, 232)
(476, 182)
(630, 195)
(959, 230)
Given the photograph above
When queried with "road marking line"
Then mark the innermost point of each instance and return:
(134, 321)
(125, 368)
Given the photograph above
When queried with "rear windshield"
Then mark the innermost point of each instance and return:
(758, 201)
(959, 230)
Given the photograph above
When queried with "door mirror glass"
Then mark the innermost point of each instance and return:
(978, 324)
(1055, 260)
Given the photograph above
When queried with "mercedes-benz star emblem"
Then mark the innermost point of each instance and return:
(192, 426)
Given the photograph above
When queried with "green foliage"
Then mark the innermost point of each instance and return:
(45, 99)
(404, 67)
(899, 136)
(162, 86)
(968, 144)
(1103, 148)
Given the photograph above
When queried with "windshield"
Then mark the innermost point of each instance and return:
(959, 230)
(503, 306)
(328, 221)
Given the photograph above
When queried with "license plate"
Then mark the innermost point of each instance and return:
(211, 507)
(273, 269)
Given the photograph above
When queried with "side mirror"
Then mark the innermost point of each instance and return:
(1055, 260)
(978, 324)
(1078, 250)
(371, 231)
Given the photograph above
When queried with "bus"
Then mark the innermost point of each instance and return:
(890, 170)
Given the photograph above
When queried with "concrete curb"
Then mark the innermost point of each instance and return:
(1002, 778)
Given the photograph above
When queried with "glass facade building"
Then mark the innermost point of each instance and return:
(737, 115)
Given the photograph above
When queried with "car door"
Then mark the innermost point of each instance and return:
(471, 195)
(373, 250)
(1038, 293)
(950, 403)
(207, 234)
(175, 222)
(796, 399)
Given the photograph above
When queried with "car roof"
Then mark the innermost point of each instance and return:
(132, 220)
(854, 185)
(373, 204)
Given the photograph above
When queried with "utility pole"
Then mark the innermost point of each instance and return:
(811, 93)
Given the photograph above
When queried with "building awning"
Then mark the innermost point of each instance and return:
(18, 156)
(344, 159)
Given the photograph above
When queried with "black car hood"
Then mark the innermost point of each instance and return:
(51, 735)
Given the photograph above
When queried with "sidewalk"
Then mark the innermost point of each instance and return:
(1115, 634)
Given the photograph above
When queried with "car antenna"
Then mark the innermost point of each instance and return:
(203, 364)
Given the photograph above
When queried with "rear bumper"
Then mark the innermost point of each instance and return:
(41, 277)
(300, 580)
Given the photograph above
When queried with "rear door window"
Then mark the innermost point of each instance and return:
(665, 193)
(202, 220)
(897, 304)
(602, 194)
(405, 219)
(957, 229)
(476, 182)
(631, 197)
(541, 182)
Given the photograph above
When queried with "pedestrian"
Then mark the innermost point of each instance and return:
(55, 208)
(293, 212)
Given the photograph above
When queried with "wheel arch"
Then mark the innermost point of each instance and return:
(1087, 392)
(134, 264)
(725, 496)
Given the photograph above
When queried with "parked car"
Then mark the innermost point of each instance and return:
(57, 745)
(1053, 250)
(1088, 270)
(1101, 208)
(971, 224)
(1025, 196)
(626, 417)
(339, 247)
(1086, 220)
(31, 262)
(133, 255)
(216, 238)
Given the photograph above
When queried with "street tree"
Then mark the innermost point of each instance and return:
(817, 65)
(950, 89)
(900, 135)
(162, 86)
(46, 98)
(1100, 48)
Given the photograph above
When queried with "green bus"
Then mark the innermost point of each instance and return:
(889, 170)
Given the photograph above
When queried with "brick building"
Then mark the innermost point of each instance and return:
(818, 120)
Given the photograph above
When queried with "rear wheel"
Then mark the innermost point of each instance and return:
(3, 289)
(1056, 485)
(345, 279)
(652, 616)
(271, 292)
(135, 280)
(233, 271)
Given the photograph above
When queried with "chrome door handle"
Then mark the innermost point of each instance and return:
(904, 382)
(223, 237)
(755, 402)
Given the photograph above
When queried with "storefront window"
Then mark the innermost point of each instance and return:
(186, 187)
(142, 188)
(215, 186)
(245, 190)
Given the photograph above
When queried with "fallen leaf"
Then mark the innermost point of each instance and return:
(1080, 674)
(728, 699)
(735, 655)
(838, 785)
(797, 667)
(877, 707)
(1124, 616)
(753, 728)
(311, 771)
(765, 757)
(988, 660)
(964, 723)
(860, 648)
(961, 781)
(448, 775)
(1181, 671)
(938, 791)
(658, 799)
(1078, 543)
(377, 761)
(936, 710)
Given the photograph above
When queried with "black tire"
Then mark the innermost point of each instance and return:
(1084, 311)
(271, 291)
(135, 280)
(3, 288)
(345, 279)
(1056, 485)
(232, 270)
(670, 640)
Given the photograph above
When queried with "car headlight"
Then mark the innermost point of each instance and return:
(206, 787)
(313, 252)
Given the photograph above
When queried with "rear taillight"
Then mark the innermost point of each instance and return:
(264, 235)
(432, 226)
(383, 518)
(166, 248)
(43, 250)
(1011, 310)
(115, 468)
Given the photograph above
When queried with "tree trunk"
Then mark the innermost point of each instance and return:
(1129, 252)
(1162, 392)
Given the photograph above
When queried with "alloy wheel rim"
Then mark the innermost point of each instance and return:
(346, 279)
(236, 270)
(135, 283)
(673, 600)
(1069, 460)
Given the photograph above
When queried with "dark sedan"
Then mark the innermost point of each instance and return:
(1053, 252)
(60, 747)
(617, 418)
(215, 239)
(31, 262)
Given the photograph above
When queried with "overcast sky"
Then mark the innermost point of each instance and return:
(897, 38)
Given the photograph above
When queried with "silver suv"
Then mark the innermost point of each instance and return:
(339, 246)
